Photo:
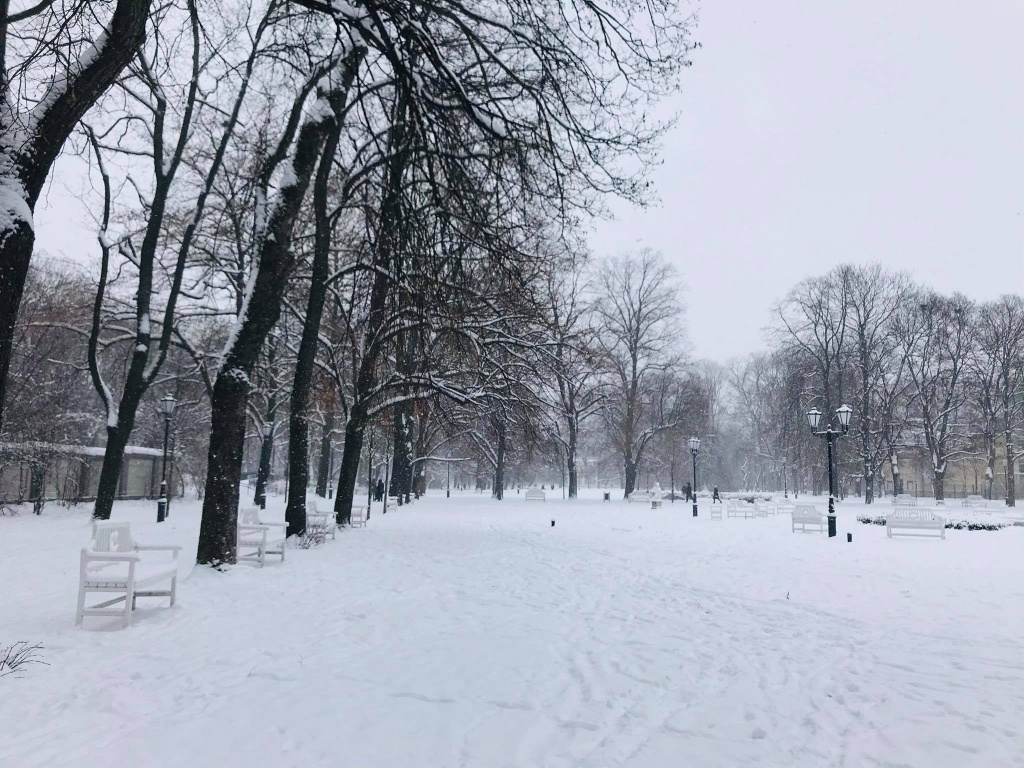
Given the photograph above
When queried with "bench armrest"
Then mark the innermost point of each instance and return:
(158, 547)
(252, 527)
(113, 557)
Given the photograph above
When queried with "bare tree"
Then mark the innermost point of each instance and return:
(874, 295)
(639, 333)
(999, 369)
(53, 68)
(936, 337)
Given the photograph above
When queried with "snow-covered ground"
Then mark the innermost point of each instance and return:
(467, 632)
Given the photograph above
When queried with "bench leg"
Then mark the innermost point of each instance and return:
(79, 612)
(174, 589)
(129, 604)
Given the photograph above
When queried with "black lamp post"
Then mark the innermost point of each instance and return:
(785, 486)
(263, 475)
(448, 470)
(813, 417)
(167, 404)
(694, 447)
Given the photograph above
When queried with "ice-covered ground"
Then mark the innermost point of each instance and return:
(467, 632)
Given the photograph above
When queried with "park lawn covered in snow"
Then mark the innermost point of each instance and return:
(467, 632)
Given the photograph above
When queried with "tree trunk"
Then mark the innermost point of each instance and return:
(630, 472)
(323, 478)
(939, 481)
(110, 473)
(1011, 469)
(266, 446)
(401, 461)
(298, 419)
(15, 254)
(218, 530)
(570, 460)
(499, 461)
(348, 473)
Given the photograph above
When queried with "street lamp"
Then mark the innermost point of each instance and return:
(167, 404)
(263, 475)
(694, 447)
(813, 417)
(785, 486)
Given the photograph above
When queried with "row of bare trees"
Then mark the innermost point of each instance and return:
(344, 217)
(940, 375)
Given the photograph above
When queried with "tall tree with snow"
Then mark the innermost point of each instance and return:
(56, 60)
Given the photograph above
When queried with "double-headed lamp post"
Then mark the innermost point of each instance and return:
(813, 417)
(694, 447)
(263, 475)
(167, 404)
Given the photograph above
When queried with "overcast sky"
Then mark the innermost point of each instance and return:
(812, 133)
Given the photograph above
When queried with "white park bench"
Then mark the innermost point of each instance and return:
(808, 518)
(264, 538)
(358, 518)
(716, 511)
(740, 508)
(912, 520)
(317, 520)
(534, 494)
(112, 563)
(784, 507)
(975, 501)
(763, 508)
(639, 496)
(904, 500)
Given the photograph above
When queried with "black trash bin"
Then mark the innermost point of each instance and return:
(607, 496)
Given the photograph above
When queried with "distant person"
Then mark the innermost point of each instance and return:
(689, 491)
(380, 490)
(715, 497)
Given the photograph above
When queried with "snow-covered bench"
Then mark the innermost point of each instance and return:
(264, 538)
(739, 508)
(975, 501)
(534, 494)
(112, 563)
(784, 507)
(763, 508)
(716, 511)
(808, 518)
(913, 520)
(904, 500)
(321, 520)
(358, 518)
(639, 496)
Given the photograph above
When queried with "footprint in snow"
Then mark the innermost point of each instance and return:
(759, 733)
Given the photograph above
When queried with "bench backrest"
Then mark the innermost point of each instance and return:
(358, 513)
(249, 516)
(534, 493)
(915, 514)
(806, 510)
(112, 537)
(639, 496)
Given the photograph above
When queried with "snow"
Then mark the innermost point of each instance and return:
(14, 207)
(469, 632)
